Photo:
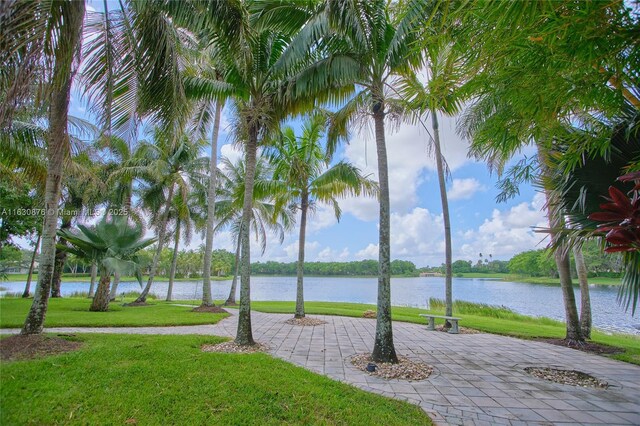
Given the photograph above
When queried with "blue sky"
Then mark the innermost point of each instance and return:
(479, 224)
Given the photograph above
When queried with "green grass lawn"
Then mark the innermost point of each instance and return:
(539, 280)
(476, 316)
(74, 312)
(152, 380)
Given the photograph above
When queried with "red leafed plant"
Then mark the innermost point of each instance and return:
(621, 217)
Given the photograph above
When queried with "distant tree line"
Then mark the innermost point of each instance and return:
(535, 263)
(538, 263)
(355, 268)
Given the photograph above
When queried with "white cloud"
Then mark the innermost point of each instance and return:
(507, 232)
(409, 158)
(463, 189)
(330, 255)
(232, 152)
(418, 236)
(369, 252)
(323, 217)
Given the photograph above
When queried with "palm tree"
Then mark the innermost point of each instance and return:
(303, 166)
(41, 46)
(268, 214)
(27, 285)
(211, 207)
(82, 191)
(529, 84)
(186, 218)
(440, 94)
(112, 245)
(166, 169)
(369, 44)
(68, 27)
(580, 193)
(262, 87)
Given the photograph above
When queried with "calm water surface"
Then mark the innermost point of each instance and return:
(527, 299)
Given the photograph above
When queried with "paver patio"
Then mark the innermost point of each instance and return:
(477, 379)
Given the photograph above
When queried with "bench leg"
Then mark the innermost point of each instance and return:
(432, 324)
(454, 327)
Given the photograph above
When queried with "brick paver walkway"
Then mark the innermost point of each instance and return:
(477, 379)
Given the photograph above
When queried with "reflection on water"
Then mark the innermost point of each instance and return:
(527, 299)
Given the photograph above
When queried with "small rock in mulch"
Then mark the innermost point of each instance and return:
(591, 347)
(305, 322)
(369, 314)
(567, 377)
(461, 330)
(210, 309)
(234, 348)
(405, 369)
(34, 346)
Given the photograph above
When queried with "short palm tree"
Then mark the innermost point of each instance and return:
(268, 214)
(302, 165)
(185, 220)
(166, 168)
(112, 245)
(41, 46)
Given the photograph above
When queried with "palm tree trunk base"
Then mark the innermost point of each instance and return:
(229, 302)
(245, 342)
(297, 316)
(381, 355)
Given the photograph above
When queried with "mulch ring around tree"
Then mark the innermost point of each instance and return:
(20, 347)
(232, 347)
(567, 377)
(210, 309)
(594, 348)
(461, 330)
(305, 321)
(405, 369)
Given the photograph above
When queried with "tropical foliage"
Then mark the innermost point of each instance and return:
(113, 246)
(561, 76)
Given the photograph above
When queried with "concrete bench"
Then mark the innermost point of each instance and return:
(432, 323)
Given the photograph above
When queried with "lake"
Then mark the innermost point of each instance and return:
(524, 298)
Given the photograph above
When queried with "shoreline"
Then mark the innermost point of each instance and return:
(593, 281)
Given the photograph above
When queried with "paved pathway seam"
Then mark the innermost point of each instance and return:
(478, 378)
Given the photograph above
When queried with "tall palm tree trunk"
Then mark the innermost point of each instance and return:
(304, 206)
(126, 206)
(27, 286)
(114, 285)
(92, 286)
(445, 216)
(211, 209)
(231, 300)
(156, 256)
(585, 298)
(383, 348)
(561, 256)
(101, 300)
(174, 262)
(244, 335)
(571, 311)
(60, 261)
(57, 151)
